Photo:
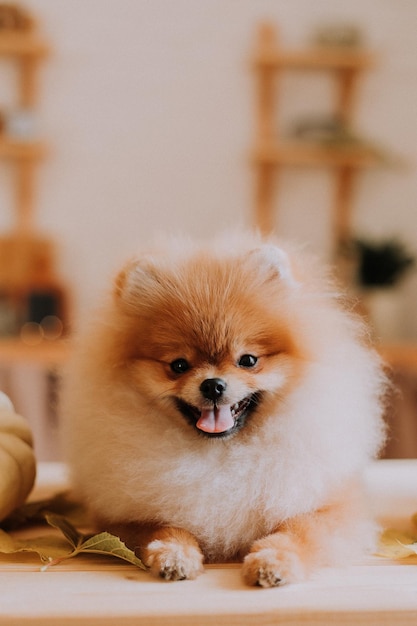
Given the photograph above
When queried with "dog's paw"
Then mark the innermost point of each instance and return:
(171, 560)
(270, 567)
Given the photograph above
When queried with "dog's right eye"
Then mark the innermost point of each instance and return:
(179, 366)
(247, 361)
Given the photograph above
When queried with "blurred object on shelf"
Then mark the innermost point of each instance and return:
(379, 269)
(333, 132)
(31, 293)
(381, 263)
(30, 290)
(34, 333)
(21, 124)
(328, 129)
(341, 35)
(338, 147)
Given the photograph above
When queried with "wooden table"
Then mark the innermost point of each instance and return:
(93, 591)
(46, 353)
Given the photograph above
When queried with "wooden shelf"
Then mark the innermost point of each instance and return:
(27, 258)
(46, 353)
(18, 149)
(297, 153)
(22, 44)
(314, 59)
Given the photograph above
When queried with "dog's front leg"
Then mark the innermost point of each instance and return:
(275, 560)
(301, 544)
(172, 554)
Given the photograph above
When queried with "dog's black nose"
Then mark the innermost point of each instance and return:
(213, 388)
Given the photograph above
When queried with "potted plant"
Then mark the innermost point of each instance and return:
(380, 268)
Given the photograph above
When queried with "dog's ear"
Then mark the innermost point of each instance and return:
(274, 263)
(135, 280)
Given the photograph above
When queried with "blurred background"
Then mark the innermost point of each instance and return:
(133, 117)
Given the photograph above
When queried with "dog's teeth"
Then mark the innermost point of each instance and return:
(239, 406)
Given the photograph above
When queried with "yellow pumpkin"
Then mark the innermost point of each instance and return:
(17, 459)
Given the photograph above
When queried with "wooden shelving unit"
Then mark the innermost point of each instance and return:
(23, 45)
(271, 153)
(22, 150)
(298, 153)
(27, 51)
(27, 257)
(50, 354)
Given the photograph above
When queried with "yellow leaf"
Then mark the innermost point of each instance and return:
(395, 544)
(412, 547)
(53, 549)
(48, 548)
(7, 545)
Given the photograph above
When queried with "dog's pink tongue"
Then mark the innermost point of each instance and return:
(216, 420)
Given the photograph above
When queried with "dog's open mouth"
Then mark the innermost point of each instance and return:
(219, 420)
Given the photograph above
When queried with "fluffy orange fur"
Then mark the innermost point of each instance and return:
(222, 406)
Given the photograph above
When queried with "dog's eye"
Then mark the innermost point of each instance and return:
(247, 360)
(179, 366)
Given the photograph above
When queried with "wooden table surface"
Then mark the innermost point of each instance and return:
(92, 591)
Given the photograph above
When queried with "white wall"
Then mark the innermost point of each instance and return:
(147, 105)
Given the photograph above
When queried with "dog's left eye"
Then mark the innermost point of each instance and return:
(247, 360)
(179, 366)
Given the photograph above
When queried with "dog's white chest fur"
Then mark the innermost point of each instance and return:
(226, 492)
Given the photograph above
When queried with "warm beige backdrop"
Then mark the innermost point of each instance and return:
(147, 105)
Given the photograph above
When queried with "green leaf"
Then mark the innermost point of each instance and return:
(110, 545)
(74, 537)
(53, 549)
(102, 543)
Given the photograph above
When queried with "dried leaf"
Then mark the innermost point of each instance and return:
(102, 543)
(110, 545)
(48, 548)
(7, 545)
(73, 536)
(412, 547)
(34, 512)
(395, 544)
(54, 549)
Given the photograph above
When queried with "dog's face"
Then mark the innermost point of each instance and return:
(210, 342)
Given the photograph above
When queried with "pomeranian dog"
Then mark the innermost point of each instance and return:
(222, 406)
